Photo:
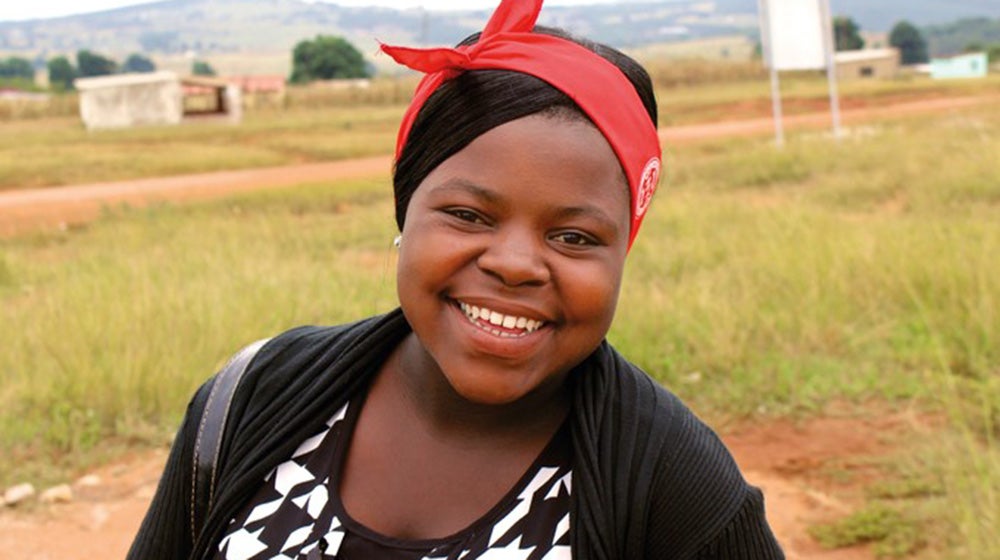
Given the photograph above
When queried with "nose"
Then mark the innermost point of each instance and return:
(516, 259)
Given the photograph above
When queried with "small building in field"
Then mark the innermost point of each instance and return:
(970, 65)
(126, 100)
(868, 63)
(155, 98)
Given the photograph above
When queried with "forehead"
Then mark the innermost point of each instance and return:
(555, 158)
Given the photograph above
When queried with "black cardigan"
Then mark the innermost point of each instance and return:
(649, 479)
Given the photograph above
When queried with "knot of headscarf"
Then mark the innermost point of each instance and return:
(596, 85)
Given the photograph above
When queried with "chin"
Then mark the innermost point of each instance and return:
(491, 395)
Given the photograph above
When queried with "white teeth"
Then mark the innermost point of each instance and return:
(476, 314)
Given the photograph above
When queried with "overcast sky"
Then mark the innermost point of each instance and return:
(20, 9)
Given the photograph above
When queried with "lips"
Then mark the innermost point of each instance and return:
(500, 324)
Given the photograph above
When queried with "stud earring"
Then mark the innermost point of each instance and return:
(398, 241)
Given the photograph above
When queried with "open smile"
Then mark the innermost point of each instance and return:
(500, 324)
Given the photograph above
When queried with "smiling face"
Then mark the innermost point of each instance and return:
(512, 257)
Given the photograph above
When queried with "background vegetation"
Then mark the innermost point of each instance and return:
(327, 57)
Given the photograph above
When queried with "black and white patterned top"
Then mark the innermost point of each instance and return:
(297, 513)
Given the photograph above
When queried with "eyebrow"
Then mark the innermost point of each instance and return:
(591, 212)
(585, 211)
(461, 185)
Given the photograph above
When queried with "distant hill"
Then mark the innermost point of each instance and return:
(226, 26)
(261, 33)
(954, 37)
(881, 15)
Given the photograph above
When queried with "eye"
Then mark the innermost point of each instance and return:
(466, 215)
(575, 238)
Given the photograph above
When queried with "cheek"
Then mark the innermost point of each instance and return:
(413, 277)
(429, 263)
(593, 296)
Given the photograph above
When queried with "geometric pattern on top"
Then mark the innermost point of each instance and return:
(297, 515)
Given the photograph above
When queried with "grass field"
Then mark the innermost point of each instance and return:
(766, 283)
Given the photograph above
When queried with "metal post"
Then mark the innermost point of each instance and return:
(831, 65)
(765, 43)
(779, 127)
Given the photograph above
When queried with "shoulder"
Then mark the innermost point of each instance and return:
(699, 500)
(295, 363)
(311, 337)
(693, 466)
(631, 404)
(297, 351)
(746, 536)
(698, 492)
(694, 489)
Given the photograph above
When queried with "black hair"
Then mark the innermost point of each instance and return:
(476, 101)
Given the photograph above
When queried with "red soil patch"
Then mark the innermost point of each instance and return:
(815, 471)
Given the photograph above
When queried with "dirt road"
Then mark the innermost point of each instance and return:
(41, 208)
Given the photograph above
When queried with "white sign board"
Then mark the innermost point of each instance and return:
(794, 32)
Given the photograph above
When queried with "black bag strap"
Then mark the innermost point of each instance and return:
(211, 430)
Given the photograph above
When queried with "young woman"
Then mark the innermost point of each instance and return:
(487, 417)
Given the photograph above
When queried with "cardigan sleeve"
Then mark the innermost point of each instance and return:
(701, 507)
(726, 524)
(747, 536)
(165, 533)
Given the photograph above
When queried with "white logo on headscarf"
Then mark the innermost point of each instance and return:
(647, 186)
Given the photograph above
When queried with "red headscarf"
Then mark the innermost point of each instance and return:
(596, 85)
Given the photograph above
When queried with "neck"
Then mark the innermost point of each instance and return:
(426, 391)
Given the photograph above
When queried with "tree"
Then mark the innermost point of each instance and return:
(325, 58)
(846, 34)
(61, 73)
(202, 68)
(138, 63)
(16, 67)
(92, 64)
(911, 44)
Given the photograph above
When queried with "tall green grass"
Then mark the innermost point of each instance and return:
(766, 282)
(51, 152)
(107, 329)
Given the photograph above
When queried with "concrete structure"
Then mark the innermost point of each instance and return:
(156, 98)
(130, 99)
(870, 63)
(971, 65)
